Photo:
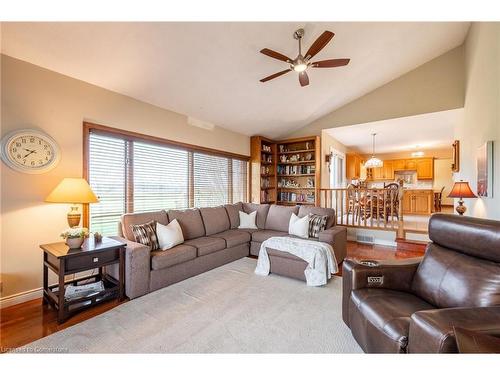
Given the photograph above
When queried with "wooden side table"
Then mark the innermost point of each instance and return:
(63, 261)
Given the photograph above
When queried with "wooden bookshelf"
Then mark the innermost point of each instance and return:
(285, 172)
(262, 170)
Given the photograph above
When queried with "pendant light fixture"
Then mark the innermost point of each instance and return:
(374, 162)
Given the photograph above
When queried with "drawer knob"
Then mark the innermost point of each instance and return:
(95, 260)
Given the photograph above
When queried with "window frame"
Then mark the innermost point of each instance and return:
(127, 135)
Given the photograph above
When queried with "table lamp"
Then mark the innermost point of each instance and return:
(74, 191)
(461, 190)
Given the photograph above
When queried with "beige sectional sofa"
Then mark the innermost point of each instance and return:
(212, 238)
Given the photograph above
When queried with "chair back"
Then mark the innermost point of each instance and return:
(461, 267)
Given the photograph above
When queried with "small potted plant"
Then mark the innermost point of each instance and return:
(75, 236)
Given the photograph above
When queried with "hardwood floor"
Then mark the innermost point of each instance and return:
(30, 321)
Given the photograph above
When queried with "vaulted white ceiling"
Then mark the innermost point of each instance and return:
(211, 71)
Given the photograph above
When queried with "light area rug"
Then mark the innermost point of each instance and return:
(226, 310)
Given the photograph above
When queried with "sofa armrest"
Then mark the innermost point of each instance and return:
(431, 331)
(337, 237)
(137, 268)
(396, 275)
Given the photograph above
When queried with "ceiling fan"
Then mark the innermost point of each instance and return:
(301, 63)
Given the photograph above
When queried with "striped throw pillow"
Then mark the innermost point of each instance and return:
(317, 223)
(146, 234)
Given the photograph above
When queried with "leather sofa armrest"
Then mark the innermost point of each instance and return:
(431, 331)
(396, 275)
(137, 268)
(337, 237)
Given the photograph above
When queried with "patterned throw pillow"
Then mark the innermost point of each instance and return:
(317, 223)
(146, 234)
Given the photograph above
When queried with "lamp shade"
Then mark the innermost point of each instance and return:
(72, 190)
(461, 189)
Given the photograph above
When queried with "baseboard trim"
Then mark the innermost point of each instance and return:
(15, 299)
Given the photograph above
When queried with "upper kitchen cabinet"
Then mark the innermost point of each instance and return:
(353, 166)
(425, 168)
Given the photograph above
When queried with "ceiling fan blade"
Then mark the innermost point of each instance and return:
(319, 44)
(272, 76)
(330, 63)
(275, 55)
(303, 79)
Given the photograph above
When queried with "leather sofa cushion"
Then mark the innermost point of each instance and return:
(446, 278)
(473, 236)
(262, 235)
(262, 210)
(233, 237)
(215, 219)
(190, 222)
(388, 311)
(233, 213)
(207, 245)
(431, 331)
(128, 220)
(475, 342)
(278, 217)
(330, 212)
(168, 258)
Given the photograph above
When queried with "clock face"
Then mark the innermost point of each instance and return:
(30, 151)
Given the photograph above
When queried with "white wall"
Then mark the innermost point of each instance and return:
(481, 112)
(327, 143)
(443, 176)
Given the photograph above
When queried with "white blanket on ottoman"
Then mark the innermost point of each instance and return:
(320, 258)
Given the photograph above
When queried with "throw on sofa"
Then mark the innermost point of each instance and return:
(412, 306)
(212, 238)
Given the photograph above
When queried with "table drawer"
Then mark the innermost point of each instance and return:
(89, 261)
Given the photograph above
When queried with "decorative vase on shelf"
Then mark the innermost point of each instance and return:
(75, 243)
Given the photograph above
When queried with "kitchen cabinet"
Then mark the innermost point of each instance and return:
(418, 202)
(353, 166)
(423, 166)
(425, 169)
(386, 172)
(399, 165)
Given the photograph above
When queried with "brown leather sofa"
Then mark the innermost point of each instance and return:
(212, 238)
(412, 306)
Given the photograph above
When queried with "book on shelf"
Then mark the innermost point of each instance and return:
(286, 196)
(296, 169)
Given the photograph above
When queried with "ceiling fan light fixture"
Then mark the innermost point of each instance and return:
(300, 67)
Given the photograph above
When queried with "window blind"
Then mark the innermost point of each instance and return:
(106, 164)
(239, 179)
(133, 175)
(160, 176)
(211, 180)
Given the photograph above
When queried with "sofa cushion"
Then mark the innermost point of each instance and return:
(207, 245)
(447, 278)
(168, 258)
(262, 235)
(146, 234)
(388, 312)
(262, 210)
(233, 237)
(215, 219)
(128, 220)
(190, 222)
(232, 211)
(278, 217)
(330, 212)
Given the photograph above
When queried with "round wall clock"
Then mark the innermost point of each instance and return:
(30, 151)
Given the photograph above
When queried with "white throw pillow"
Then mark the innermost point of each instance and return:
(247, 221)
(169, 235)
(299, 226)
